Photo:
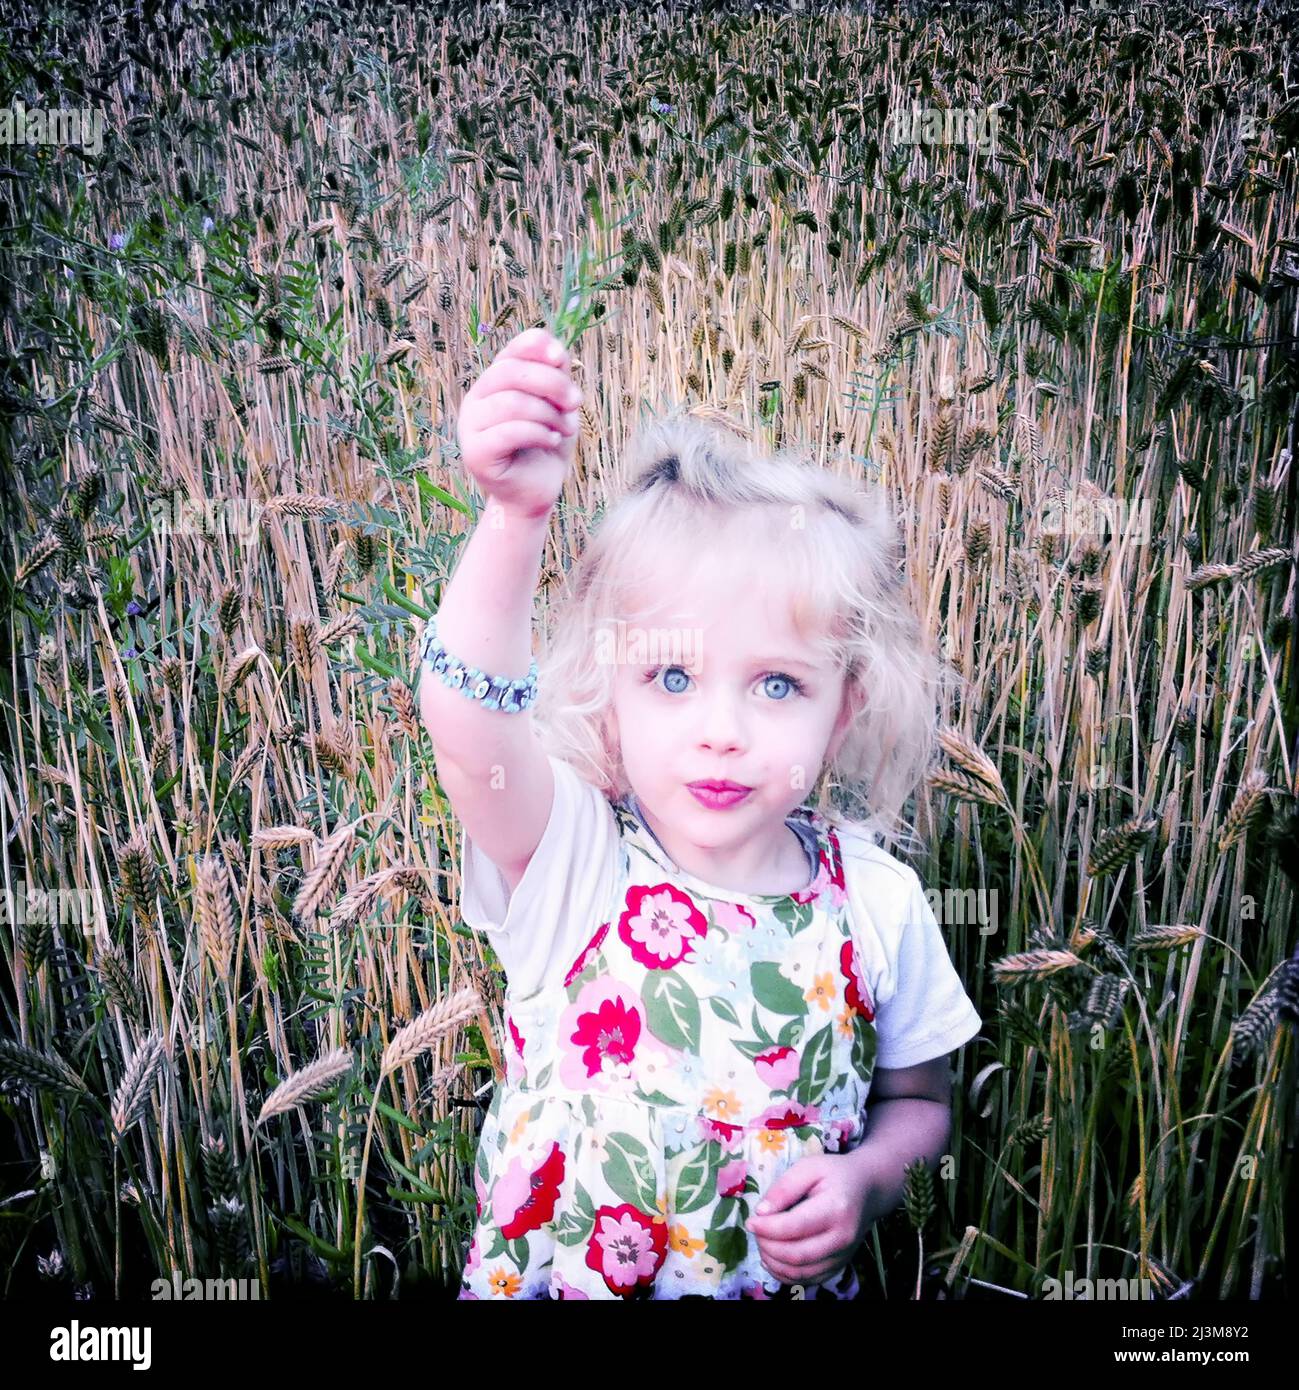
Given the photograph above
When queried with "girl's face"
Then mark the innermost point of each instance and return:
(727, 691)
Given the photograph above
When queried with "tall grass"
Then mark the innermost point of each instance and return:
(256, 1038)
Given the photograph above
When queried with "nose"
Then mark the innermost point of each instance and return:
(722, 729)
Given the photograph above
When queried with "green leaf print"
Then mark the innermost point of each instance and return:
(629, 1171)
(544, 1075)
(791, 1034)
(582, 1203)
(864, 1043)
(573, 1230)
(814, 1074)
(672, 1010)
(727, 1246)
(725, 1011)
(697, 1181)
(795, 916)
(518, 1251)
(773, 991)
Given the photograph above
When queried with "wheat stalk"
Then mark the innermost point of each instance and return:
(132, 1093)
(1246, 807)
(329, 864)
(215, 913)
(306, 1084)
(973, 761)
(421, 1033)
(1032, 965)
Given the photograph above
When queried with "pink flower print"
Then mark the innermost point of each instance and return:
(580, 963)
(599, 1033)
(561, 1288)
(475, 1256)
(524, 1200)
(465, 1295)
(731, 917)
(856, 991)
(837, 1134)
(778, 1067)
(626, 1247)
(787, 1114)
(731, 1178)
(659, 924)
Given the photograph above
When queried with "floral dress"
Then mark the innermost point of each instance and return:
(701, 1044)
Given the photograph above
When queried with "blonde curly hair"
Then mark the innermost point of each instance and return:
(704, 493)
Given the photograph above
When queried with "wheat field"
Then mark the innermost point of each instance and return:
(246, 1033)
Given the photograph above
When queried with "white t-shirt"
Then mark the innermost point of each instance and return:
(568, 889)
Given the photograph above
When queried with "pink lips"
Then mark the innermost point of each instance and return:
(718, 795)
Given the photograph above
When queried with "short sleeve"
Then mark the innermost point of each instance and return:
(538, 931)
(921, 1008)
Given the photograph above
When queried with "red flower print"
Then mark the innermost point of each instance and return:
(659, 925)
(724, 1133)
(855, 991)
(515, 1036)
(527, 1199)
(626, 1247)
(610, 1030)
(778, 1067)
(580, 963)
(786, 1114)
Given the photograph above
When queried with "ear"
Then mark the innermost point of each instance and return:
(854, 701)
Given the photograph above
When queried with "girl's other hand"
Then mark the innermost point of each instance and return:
(518, 424)
(821, 1209)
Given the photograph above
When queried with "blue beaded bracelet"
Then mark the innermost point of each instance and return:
(495, 692)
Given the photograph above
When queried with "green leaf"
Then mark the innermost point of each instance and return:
(672, 1010)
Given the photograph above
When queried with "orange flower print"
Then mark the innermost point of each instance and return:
(723, 1105)
(822, 991)
(503, 1283)
(683, 1242)
(771, 1140)
(845, 1021)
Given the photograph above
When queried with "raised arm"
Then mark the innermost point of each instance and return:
(517, 442)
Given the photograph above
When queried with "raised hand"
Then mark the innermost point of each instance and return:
(518, 424)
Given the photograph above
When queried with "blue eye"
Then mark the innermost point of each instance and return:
(669, 672)
(679, 676)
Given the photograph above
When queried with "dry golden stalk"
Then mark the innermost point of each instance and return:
(1164, 938)
(139, 874)
(306, 1084)
(241, 668)
(1246, 807)
(132, 1095)
(321, 878)
(421, 1033)
(403, 703)
(246, 761)
(115, 976)
(1263, 561)
(1209, 574)
(1032, 965)
(283, 837)
(300, 504)
(971, 759)
(215, 912)
(964, 788)
(304, 643)
(339, 629)
(45, 548)
(1116, 847)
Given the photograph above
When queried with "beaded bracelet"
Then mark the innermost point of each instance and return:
(495, 692)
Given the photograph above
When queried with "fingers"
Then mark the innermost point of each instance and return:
(500, 441)
(501, 406)
(805, 1218)
(802, 1254)
(525, 374)
(536, 345)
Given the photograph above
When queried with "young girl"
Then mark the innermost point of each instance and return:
(707, 977)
